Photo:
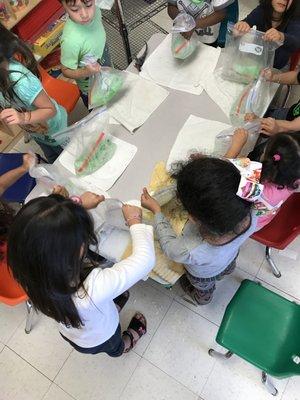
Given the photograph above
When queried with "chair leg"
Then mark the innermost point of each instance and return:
(268, 384)
(217, 354)
(30, 312)
(275, 270)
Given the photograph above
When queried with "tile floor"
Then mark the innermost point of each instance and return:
(170, 363)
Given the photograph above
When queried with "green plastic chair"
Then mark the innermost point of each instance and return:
(263, 328)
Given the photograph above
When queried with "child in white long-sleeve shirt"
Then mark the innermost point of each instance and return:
(48, 253)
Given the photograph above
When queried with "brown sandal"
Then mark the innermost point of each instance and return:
(138, 324)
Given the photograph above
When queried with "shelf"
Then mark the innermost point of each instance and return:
(21, 14)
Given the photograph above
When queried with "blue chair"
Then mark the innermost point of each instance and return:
(19, 190)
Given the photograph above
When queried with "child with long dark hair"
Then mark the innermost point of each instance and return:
(220, 222)
(48, 253)
(280, 172)
(280, 19)
(23, 100)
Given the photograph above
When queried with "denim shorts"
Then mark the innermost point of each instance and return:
(114, 346)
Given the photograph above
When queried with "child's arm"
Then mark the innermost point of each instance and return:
(10, 177)
(172, 11)
(239, 139)
(80, 73)
(45, 110)
(271, 126)
(285, 78)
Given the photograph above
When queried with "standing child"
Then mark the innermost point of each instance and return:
(211, 17)
(220, 222)
(23, 100)
(48, 254)
(280, 19)
(280, 172)
(83, 36)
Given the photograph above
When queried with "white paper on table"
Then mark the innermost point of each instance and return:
(104, 177)
(196, 135)
(140, 99)
(185, 75)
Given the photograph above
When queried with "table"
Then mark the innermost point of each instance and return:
(155, 138)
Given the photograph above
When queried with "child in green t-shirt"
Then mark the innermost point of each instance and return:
(83, 36)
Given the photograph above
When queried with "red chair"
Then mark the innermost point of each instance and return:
(64, 93)
(11, 292)
(282, 230)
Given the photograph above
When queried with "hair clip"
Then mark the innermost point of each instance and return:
(276, 157)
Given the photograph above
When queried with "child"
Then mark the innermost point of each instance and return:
(280, 20)
(48, 254)
(83, 35)
(280, 173)
(211, 17)
(219, 223)
(23, 100)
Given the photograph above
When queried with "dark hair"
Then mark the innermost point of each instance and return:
(207, 187)
(290, 13)
(72, 2)
(283, 172)
(6, 219)
(45, 254)
(12, 47)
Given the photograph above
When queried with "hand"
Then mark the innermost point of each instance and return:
(91, 200)
(242, 27)
(269, 126)
(149, 202)
(12, 117)
(93, 69)
(132, 214)
(61, 190)
(240, 136)
(29, 160)
(273, 35)
(249, 117)
(268, 74)
(188, 35)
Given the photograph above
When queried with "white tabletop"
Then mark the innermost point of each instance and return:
(155, 138)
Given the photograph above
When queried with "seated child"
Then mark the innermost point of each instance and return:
(83, 35)
(211, 17)
(280, 20)
(67, 284)
(280, 172)
(219, 223)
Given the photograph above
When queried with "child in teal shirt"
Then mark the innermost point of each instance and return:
(83, 36)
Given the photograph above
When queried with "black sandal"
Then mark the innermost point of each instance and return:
(138, 324)
(121, 300)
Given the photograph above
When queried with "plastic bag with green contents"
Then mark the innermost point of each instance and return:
(104, 86)
(245, 55)
(183, 48)
(95, 147)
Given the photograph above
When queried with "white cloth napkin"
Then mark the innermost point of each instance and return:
(197, 135)
(106, 176)
(139, 100)
(185, 75)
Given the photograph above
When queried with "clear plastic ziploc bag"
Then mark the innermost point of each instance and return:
(224, 138)
(94, 145)
(183, 48)
(254, 99)
(245, 55)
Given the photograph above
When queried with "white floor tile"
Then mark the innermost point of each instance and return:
(225, 289)
(56, 393)
(180, 346)
(22, 147)
(1, 347)
(235, 379)
(11, 318)
(290, 276)
(292, 391)
(88, 377)
(19, 380)
(149, 382)
(276, 290)
(252, 255)
(152, 303)
(44, 339)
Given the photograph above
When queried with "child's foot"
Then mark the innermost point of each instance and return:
(136, 329)
(193, 295)
(121, 300)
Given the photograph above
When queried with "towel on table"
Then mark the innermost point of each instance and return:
(140, 98)
(196, 136)
(185, 75)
